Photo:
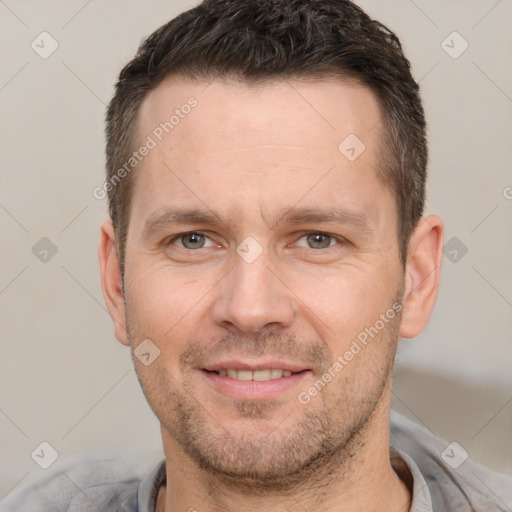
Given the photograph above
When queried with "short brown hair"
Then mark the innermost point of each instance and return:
(262, 40)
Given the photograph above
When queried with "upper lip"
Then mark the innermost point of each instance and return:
(235, 364)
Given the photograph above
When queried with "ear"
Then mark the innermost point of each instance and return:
(111, 283)
(422, 272)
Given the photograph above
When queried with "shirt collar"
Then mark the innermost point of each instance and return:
(421, 500)
(148, 488)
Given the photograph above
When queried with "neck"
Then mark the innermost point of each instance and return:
(358, 477)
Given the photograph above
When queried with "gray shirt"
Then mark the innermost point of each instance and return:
(441, 479)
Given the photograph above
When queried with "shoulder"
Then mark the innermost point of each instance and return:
(89, 485)
(455, 482)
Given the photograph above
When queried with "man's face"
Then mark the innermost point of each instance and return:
(267, 283)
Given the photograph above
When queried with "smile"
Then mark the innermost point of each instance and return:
(248, 381)
(258, 375)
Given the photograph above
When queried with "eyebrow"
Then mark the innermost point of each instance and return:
(340, 216)
(168, 217)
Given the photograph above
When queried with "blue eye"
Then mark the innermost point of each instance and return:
(192, 240)
(319, 240)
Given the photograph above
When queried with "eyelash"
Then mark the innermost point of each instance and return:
(339, 239)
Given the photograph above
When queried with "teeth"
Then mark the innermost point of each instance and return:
(244, 375)
(258, 375)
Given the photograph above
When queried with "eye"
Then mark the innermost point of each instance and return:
(196, 240)
(319, 240)
(191, 240)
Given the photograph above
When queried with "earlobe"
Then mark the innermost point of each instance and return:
(422, 275)
(111, 282)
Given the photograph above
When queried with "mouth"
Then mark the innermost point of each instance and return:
(257, 375)
(240, 380)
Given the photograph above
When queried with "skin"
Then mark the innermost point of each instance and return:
(249, 154)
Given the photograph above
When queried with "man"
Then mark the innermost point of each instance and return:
(266, 166)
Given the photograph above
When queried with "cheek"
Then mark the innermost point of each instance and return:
(163, 297)
(164, 305)
(342, 304)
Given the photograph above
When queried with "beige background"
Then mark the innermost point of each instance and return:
(64, 377)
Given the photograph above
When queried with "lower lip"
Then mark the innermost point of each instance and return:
(252, 389)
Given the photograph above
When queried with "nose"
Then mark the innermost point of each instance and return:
(253, 297)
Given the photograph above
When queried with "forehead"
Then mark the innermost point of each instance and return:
(326, 109)
(229, 144)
